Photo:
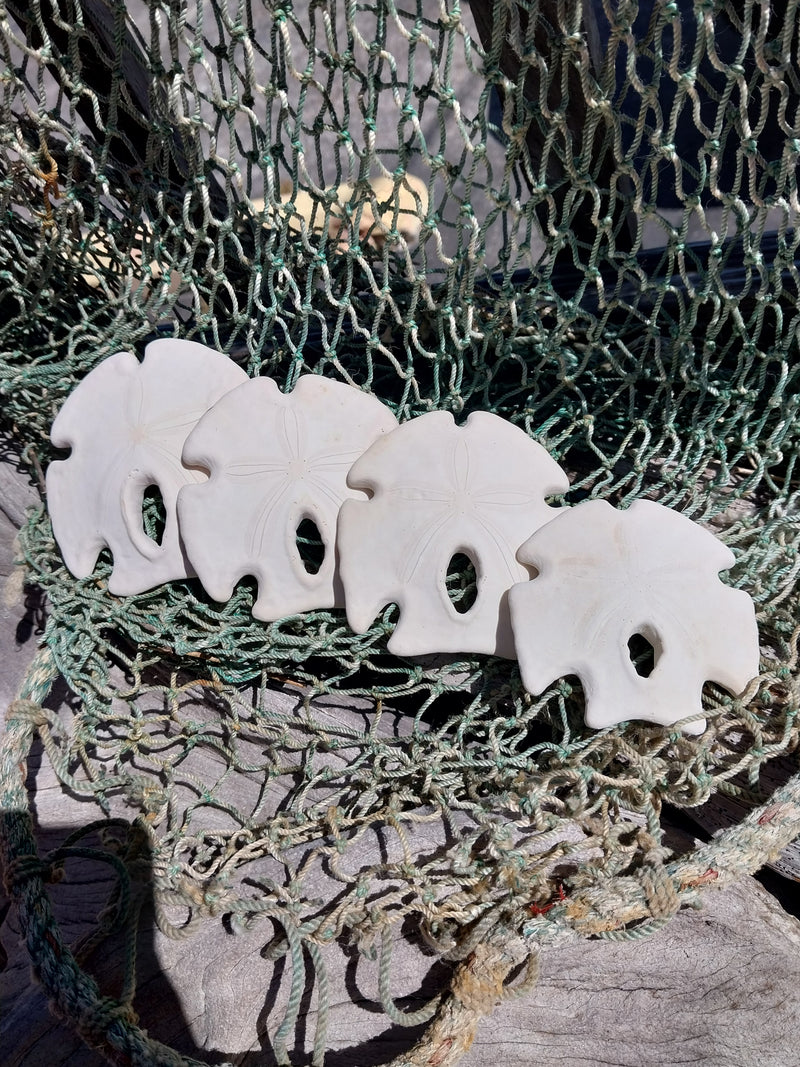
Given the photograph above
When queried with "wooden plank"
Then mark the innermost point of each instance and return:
(21, 617)
(715, 987)
(17, 493)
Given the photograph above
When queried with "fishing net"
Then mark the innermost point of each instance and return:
(579, 216)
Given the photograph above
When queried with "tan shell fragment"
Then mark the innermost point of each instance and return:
(391, 206)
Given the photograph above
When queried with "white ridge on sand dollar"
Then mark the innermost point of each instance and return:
(648, 574)
(126, 423)
(442, 490)
(275, 460)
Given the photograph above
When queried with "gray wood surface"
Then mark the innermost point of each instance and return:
(17, 495)
(18, 621)
(716, 987)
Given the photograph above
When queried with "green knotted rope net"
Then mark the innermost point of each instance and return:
(598, 242)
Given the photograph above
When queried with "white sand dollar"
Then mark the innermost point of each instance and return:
(440, 490)
(275, 460)
(607, 577)
(126, 423)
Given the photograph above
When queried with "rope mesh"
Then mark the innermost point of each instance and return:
(580, 216)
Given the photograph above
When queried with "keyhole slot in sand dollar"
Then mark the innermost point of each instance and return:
(461, 582)
(310, 545)
(154, 513)
(644, 651)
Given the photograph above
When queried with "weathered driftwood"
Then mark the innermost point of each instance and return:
(19, 613)
(713, 988)
(16, 496)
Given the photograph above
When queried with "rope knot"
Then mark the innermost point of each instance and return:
(663, 898)
(478, 982)
(100, 1016)
(27, 866)
(26, 711)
